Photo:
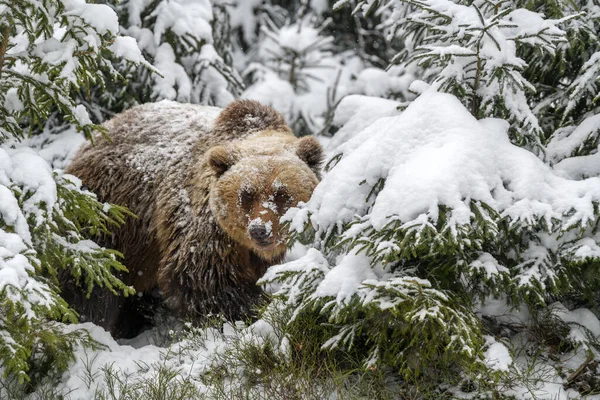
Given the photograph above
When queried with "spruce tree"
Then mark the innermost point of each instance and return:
(423, 217)
(286, 64)
(49, 50)
(187, 44)
(532, 63)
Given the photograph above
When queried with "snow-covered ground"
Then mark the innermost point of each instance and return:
(197, 355)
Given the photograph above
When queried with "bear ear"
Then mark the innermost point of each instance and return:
(220, 159)
(310, 151)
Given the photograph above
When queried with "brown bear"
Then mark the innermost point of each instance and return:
(208, 187)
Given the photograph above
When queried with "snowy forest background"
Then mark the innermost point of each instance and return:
(452, 249)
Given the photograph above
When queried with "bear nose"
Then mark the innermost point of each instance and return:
(258, 233)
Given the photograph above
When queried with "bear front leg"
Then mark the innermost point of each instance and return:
(102, 307)
(208, 282)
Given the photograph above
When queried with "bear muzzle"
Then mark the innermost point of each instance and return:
(261, 234)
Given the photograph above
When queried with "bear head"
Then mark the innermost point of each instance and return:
(258, 178)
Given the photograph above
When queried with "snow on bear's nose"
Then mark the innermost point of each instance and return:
(260, 231)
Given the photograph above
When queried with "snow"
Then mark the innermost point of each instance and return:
(175, 83)
(99, 16)
(579, 321)
(182, 27)
(384, 83)
(502, 312)
(183, 17)
(497, 356)
(343, 281)
(23, 169)
(269, 88)
(81, 114)
(299, 40)
(12, 102)
(436, 153)
(311, 262)
(216, 89)
(84, 377)
(194, 353)
(12, 215)
(242, 15)
(126, 47)
(355, 113)
(567, 140)
(53, 51)
(578, 88)
(57, 149)
(580, 167)
(15, 263)
(587, 248)
(489, 264)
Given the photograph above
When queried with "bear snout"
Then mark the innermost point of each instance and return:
(258, 233)
(261, 232)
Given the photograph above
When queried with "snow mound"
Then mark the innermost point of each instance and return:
(356, 112)
(435, 153)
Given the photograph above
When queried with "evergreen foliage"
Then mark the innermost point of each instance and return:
(531, 63)
(401, 323)
(187, 45)
(43, 73)
(49, 50)
(444, 231)
(287, 60)
(571, 95)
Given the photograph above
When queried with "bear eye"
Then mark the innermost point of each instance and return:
(281, 198)
(246, 198)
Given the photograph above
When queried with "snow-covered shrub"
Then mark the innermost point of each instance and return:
(186, 42)
(298, 69)
(420, 217)
(48, 50)
(287, 65)
(428, 213)
(481, 52)
(533, 63)
(566, 83)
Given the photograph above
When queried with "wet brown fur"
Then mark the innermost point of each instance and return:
(180, 168)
